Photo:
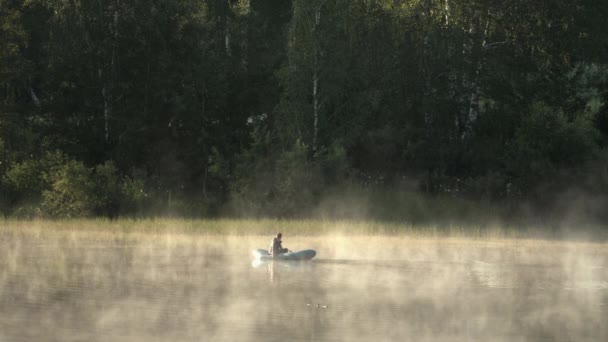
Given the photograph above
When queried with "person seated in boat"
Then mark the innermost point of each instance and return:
(276, 248)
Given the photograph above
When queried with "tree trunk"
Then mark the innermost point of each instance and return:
(467, 48)
(108, 81)
(315, 81)
(34, 97)
(107, 110)
(426, 74)
(227, 34)
(227, 37)
(475, 89)
(315, 104)
(205, 176)
(447, 13)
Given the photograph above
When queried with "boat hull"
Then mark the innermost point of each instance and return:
(306, 254)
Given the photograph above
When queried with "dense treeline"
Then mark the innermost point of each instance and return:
(285, 107)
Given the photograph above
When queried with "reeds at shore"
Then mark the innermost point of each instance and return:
(304, 227)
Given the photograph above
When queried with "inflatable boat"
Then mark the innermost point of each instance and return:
(307, 254)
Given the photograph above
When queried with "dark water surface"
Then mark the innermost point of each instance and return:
(71, 287)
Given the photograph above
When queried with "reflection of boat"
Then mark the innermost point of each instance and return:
(307, 254)
(275, 265)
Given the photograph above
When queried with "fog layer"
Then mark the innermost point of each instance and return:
(68, 287)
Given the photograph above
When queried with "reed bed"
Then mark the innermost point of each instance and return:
(304, 227)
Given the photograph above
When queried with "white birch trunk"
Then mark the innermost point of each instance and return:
(467, 53)
(315, 82)
(452, 74)
(426, 94)
(447, 13)
(147, 87)
(148, 53)
(427, 77)
(108, 80)
(205, 178)
(227, 34)
(107, 110)
(245, 48)
(34, 97)
(315, 132)
(227, 37)
(427, 90)
(474, 99)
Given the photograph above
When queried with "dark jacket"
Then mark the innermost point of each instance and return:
(276, 248)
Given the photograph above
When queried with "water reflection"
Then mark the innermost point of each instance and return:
(202, 289)
(276, 268)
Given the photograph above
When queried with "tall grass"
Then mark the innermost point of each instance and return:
(304, 227)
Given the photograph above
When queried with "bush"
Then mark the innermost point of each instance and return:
(25, 179)
(106, 189)
(287, 185)
(71, 193)
(78, 191)
(547, 140)
(134, 196)
(334, 164)
(27, 211)
(297, 181)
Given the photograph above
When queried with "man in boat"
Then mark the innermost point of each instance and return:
(276, 248)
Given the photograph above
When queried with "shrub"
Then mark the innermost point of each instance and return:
(297, 181)
(106, 189)
(134, 196)
(283, 186)
(334, 164)
(547, 140)
(25, 179)
(71, 193)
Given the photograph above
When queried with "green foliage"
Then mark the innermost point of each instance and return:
(58, 186)
(290, 184)
(77, 191)
(334, 165)
(13, 38)
(296, 182)
(71, 193)
(273, 106)
(252, 189)
(134, 196)
(107, 189)
(25, 178)
(547, 141)
(285, 186)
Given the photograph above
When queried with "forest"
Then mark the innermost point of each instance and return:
(412, 110)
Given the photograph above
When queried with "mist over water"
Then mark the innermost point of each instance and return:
(72, 287)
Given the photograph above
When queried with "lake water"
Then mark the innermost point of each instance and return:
(77, 287)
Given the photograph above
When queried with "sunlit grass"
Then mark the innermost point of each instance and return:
(304, 227)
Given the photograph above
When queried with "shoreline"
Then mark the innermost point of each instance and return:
(305, 227)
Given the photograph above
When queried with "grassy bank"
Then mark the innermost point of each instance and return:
(269, 227)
